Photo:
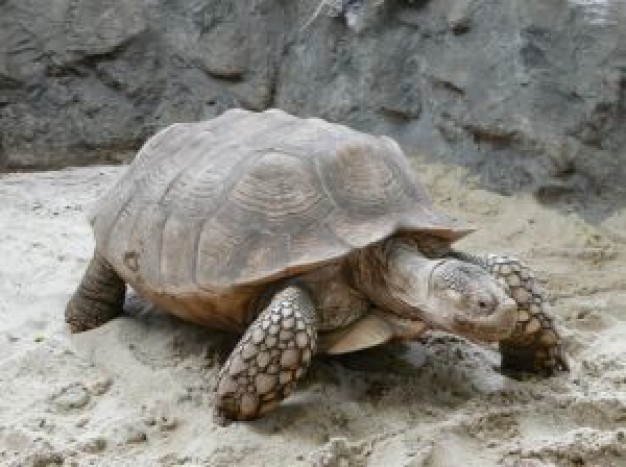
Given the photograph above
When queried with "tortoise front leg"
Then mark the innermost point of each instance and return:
(271, 356)
(98, 299)
(535, 345)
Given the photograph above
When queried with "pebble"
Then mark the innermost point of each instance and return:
(81, 422)
(74, 396)
(101, 386)
(93, 445)
(134, 435)
(167, 423)
(149, 421)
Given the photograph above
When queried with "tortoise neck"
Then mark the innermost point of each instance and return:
(395, 276)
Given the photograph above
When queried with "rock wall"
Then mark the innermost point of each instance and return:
(530, 93)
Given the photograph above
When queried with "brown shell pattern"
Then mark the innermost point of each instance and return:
(247, 198)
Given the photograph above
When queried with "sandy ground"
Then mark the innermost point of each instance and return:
(138, 391)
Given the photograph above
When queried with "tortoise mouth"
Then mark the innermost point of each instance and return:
(493, 328)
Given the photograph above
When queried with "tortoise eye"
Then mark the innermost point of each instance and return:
(482, 304)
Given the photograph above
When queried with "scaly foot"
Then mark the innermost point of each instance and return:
(271, 356)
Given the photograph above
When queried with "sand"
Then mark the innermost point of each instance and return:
(138, 391)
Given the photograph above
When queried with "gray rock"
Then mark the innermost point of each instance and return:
(224, 52)
(532, 94)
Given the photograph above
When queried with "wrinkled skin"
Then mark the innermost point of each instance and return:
(449, 294)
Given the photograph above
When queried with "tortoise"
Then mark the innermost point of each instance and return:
(304, 237)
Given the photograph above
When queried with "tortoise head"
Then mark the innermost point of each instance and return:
(465, 299)
(445, 293)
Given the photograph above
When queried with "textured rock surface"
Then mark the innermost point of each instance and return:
(532, 93)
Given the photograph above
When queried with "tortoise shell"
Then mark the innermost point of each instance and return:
(210, 212)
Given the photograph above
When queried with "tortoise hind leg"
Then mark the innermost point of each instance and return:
(535, 345)
(271, 356)
(98, 299)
